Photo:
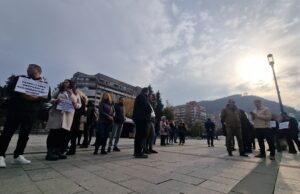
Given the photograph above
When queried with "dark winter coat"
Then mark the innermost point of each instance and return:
(231, 117)
(142, 109)
(210, 126)
(293, 125)
(106, 110)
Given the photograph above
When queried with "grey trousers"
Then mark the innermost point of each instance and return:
(115, 134)
(150, 137)
(231, 132)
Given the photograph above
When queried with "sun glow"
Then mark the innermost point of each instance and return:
(254, 69)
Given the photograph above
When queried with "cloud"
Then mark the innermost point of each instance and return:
(189, 50)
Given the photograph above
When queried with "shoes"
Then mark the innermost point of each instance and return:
(260, 156)
(103, 152)
(51, 156)
(95, 152)
(63, 156)
(153, 152)
(2, 162)
(108, 149)
(230, 153)
(141, 156)
(272, 157)
(243, 155)
(147, 152)
(116, 149)
(208, 145)
(212, 146)
(21, 160)
(293, 152)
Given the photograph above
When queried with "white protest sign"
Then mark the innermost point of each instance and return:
(284, 125)
(65, 106)
(32, 87)
(273, 124)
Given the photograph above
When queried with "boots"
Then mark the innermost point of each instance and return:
(61, 155)
(51, 154)
(103, 152)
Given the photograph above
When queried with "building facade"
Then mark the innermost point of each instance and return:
(190, 112)
(95, 85)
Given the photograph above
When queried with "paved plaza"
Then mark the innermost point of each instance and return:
(190, 169)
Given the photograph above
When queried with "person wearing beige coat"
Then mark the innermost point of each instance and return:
(261, 117)
(61, 115)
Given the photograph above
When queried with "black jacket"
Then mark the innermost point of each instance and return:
(119, 114)
(293, 125)
(142, 109)
(181, 129)
(91, 116)
(210, 126)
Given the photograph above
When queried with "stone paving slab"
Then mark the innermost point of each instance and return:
(189, 169)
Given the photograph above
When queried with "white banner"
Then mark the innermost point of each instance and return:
(284, 125)
(32, 87)
(65, 106)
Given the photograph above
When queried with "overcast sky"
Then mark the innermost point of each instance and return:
(189, 50)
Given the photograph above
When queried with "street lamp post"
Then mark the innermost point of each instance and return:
(271, 62)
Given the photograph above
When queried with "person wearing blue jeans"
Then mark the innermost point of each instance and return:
(119, 119)
(105, 122)
(115, 135)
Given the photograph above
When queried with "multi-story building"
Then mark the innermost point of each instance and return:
(95, 85)
(190, 112)
(179, 112)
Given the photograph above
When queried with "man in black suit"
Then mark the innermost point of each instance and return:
(142, 118)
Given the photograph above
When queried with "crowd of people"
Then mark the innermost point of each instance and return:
(171, 131)
(72, 115)
(261, 124)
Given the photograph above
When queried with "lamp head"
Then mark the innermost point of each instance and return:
(270, 59)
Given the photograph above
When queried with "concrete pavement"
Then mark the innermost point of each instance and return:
(190, 169)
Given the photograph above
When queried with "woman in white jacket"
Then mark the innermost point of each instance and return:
(64, 101)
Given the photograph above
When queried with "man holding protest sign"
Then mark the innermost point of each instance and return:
(26, 94)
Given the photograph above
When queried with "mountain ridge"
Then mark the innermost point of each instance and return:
(245, 102)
